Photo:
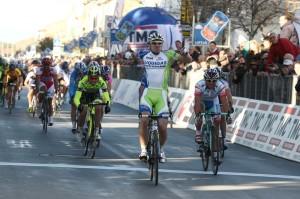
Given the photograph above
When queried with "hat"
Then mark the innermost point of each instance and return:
(269, 35)
(288, 62)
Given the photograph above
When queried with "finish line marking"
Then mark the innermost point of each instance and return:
(127, 168)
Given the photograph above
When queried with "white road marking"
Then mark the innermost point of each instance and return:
(128, 168)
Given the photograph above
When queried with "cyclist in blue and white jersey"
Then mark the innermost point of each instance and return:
(79, 71)
(212, 63)
(209, 92)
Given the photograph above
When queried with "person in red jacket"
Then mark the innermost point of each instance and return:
(279, 47)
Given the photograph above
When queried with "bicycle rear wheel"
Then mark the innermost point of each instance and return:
(205, 158)
(221, 144)
(45, 116)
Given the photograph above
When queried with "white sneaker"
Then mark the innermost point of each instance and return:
(50, 121)
(143, 155)
(163, 157)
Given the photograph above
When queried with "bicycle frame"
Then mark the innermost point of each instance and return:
(90, 142)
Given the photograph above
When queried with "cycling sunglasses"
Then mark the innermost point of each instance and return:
(156, 43)
(211, 80)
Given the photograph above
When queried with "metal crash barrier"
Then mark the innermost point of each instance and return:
(269, 88)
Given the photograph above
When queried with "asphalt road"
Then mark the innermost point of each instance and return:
(36, 165)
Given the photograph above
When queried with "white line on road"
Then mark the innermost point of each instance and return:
(128, 168)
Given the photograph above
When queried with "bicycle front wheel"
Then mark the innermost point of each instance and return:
(215, 156)
(156, 157)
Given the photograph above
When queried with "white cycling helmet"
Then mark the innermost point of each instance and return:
(211, 74)
(155, 36)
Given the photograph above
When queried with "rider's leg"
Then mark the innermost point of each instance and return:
(73, 115)
(30, 97)
(98, 117)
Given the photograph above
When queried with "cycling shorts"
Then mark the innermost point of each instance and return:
(50, 90)
(154, 100)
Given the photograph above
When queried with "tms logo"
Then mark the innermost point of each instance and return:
(141, 33)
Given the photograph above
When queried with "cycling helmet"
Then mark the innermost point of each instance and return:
(47, 61)
(12, 64)
(155, 36)
(64, 66)
(211, 74)
(94, 68)
(80, 67)
(222, 75)
(105, 69)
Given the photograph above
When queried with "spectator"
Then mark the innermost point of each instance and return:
(288, 30)
(279, 47)
(213, 49)
(239, 70)
(286, 68)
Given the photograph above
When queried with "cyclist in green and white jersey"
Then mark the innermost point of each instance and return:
(154, 95)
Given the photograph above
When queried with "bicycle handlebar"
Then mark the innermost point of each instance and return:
(154, 116)
(97, 103)
(210, 113)
(12, 84)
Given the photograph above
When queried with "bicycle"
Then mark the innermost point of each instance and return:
(45, 110)
(153, 145)
(59, 98)
(208, 147)
(91, 142)
(11, 100)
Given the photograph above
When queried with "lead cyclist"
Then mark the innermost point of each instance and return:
(153, 97)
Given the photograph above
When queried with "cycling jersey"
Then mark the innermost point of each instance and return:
(157, 68)
(226, 84)
(1, 73)
(45, 76)
(74, 79)
(88, 92)
(12, 75)
(155, 81)
(210, 96)
(63, 75)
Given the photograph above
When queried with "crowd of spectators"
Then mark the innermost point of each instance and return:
(276, 55)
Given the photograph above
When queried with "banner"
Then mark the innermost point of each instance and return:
(205, 33)
(137, 25)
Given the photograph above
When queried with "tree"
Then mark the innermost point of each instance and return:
(253, 15)
(47, 42)
(248, 15)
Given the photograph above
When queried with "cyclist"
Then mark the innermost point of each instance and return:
(2, 69)
(12, 75)
(91, 87)
(30, 81)
(48, 83)
(106, 76)
(63, 77)
(79, 71)
(213, 63)
(154, 96)
(209, 92)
